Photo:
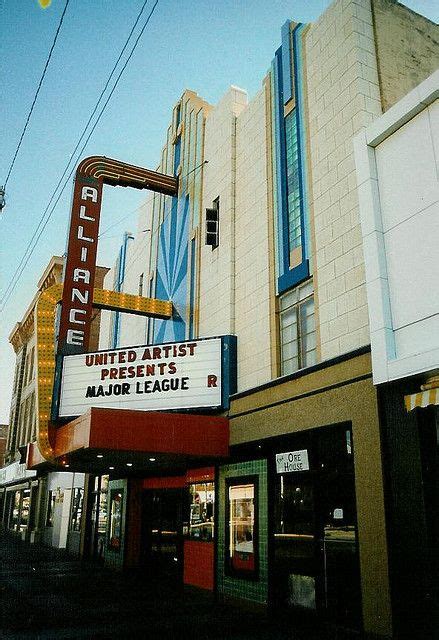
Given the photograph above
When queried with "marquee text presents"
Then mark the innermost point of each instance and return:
(183, 375)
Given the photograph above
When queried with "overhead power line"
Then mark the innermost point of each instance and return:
(48, 213)
(36, 93)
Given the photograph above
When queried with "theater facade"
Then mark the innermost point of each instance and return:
(220, 427)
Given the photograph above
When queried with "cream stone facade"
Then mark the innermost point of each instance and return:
(279, 171)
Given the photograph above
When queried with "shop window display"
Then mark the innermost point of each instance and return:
(24, 513)
(77, 502)
(99, 515)
(115, 532)
(50, 508)
(201, 511)
(16, 510)
(242, 527)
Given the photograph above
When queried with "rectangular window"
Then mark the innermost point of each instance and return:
(141, 284)
(77, 502)
(293, 183)
(212, 225)
(297, 329)
(242, 527)
(16, 511)
(25, 507)
(177, 154)
(201, 511)
(115, 532)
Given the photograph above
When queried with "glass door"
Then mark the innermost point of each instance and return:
(316, 565)
(99, 516)
(162, 531)
(295, 541)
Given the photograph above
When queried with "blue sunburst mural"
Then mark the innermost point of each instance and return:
(172, 264)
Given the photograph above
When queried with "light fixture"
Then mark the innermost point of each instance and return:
(66, 466)
(99, 455)
(152, 459)
(129, 464)
(111, 468)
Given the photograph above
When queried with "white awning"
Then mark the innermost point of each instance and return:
(422, 399)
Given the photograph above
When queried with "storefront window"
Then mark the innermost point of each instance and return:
(50, 508)
(24, 513)
(99, 515)
(242, 527)
(16, 510)
(201, 516)
(77, 502)
(115, 535)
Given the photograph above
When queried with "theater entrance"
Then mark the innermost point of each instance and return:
(162, 532)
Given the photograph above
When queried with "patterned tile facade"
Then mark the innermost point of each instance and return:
(254, 590)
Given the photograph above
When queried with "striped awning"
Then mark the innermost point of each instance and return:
(422, 399)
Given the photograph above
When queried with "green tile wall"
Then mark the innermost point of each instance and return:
(254, 590)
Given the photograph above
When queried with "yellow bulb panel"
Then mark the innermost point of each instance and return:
(45, 338)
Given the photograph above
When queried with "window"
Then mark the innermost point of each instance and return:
(242, 527)
(141, 284)
(50, 508)
(297, 329)
(177, 115)
(77, 502)
(201, 511)
(115, 532)
(293, 184)
(16, 511)
(177, 154)
(212, 225)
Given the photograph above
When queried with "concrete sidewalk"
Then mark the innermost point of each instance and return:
(44, 593)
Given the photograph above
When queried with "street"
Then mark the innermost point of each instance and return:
(44, 593)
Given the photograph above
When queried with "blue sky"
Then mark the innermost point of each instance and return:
(205, 46)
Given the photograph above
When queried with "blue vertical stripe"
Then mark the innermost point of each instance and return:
(283, 91)
(282, 201)
(301, 137)
(286, 63)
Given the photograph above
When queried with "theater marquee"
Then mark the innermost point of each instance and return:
(183, 375)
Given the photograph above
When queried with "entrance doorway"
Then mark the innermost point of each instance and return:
(99, 498)
(162, 532)
(316, 564)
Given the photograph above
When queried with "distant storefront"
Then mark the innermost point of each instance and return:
(17, 486)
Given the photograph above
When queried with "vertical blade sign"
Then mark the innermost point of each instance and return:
(80, 268)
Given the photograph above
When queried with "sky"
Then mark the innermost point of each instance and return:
(200, 45)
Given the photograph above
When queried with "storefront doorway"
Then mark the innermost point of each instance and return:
(162, 529)
(99, 516)
(316, 565)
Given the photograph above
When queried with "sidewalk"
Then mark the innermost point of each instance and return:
(44, 593)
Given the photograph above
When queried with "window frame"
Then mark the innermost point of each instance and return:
(77, 507)
(112, 495)
(212, 533)
(229, 570)
(296, 308)
(50, 511)
(213, 211)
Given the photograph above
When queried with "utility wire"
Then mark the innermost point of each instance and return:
(72, 155)
(37, 92)
(43, 223)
